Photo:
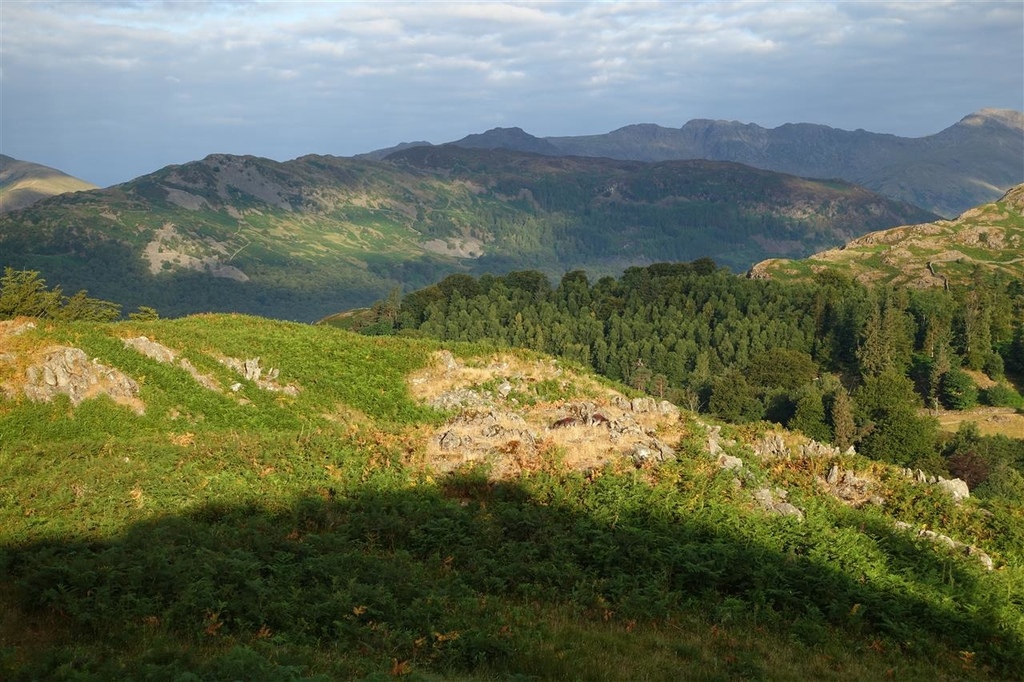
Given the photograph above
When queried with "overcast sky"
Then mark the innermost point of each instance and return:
(108, 91)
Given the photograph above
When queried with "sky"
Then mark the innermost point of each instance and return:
(108, 91)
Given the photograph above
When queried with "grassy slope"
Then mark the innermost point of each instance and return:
(295, 536)
(301, 239)
(990, 236)
(23, 183)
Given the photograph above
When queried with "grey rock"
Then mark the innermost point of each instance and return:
(450, 441)
(151, 349)
(641, 454)
(787, 509)
(955, 487)
(729, 462)
(771, 447)
(833, 475)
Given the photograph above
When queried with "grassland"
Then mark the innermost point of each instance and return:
(944, 253)
(256, 534)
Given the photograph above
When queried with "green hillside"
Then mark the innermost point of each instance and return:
(226, 497)
(945, 253)
(315, 235)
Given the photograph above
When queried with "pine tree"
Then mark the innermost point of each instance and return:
(844, 430)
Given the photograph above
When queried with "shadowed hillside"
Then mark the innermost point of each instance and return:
(240, 498)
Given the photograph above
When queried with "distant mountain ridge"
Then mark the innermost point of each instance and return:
(318, 234)
(969, 163)
(22, 183)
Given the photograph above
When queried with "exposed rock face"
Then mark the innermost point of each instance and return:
(771, 447)
(775, 502)
(848, 487)
(161, 353)
(955, 487)
(249, 369)
(252, 371)
(501, 421)
(68, 371)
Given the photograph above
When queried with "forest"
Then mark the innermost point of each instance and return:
(840, 362)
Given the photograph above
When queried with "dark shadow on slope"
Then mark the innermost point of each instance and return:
(387, 573)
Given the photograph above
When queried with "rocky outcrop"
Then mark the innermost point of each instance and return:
(938, 538)
(68, 371)
(956, 487)
(252, 371)
(165, 355)
(775, 502)
(847, 487)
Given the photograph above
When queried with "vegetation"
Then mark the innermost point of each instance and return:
(25, 293)
(831, 358)
(260, 535)
(946, 253)
(318, 234)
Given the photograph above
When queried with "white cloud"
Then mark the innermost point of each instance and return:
(349, 77)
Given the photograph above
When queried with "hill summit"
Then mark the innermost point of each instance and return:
(23, 183)
(935, 254)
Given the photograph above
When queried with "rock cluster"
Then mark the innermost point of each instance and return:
(163, 354)
(69, 371)
(939, 538)
(846, 486)
(775, 501)
(956, 487)
(251, 371)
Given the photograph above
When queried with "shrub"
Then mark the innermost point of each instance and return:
(1001, 395)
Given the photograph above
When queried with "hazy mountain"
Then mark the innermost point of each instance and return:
(22, 183)
(972, 162)
(933, 254)
(381, 154)
(515, 139)
(318, 234)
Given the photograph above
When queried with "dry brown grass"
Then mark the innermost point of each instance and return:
(991, 421)
(512, 438)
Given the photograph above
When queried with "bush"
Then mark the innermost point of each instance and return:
(1001, 395)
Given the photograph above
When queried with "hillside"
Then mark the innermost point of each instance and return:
(23, 183)
(319, 234)
(974, 161)
(938, 254)
(227, 497)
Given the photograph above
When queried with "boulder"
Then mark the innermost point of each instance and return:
(955, 487)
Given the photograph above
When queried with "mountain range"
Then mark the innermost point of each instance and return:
(23, 183)
(972, 162)
(318, 234)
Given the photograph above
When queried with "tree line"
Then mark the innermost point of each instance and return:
(839, 361)
(24, 293)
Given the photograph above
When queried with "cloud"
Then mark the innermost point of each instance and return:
(111, 90)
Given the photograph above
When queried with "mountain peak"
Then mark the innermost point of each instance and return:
(1006, 117)
(515, 139)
